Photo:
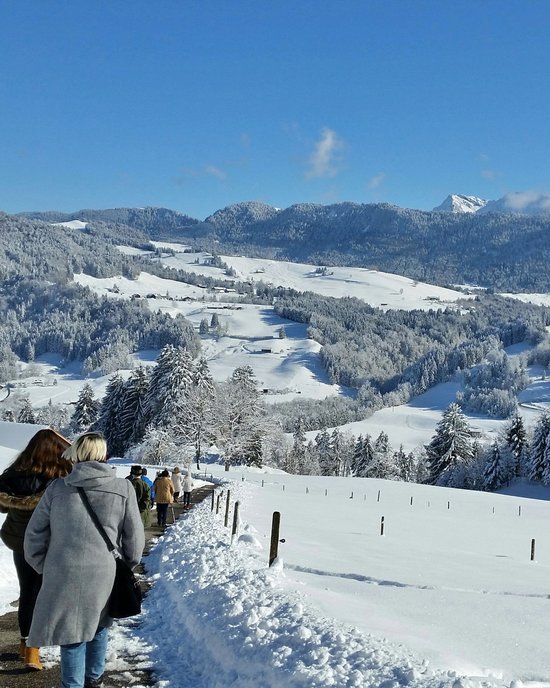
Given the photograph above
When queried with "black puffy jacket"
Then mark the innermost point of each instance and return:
(20, 492)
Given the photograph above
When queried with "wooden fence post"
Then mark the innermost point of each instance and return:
(411, 501)
(378, 498)
(226, 520)
(533, 549)
(218, 503)
(274, 549)
(382, 526)
(212, 500)
(235, 521)
(351, 495)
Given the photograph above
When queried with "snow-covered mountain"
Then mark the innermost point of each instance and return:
(515, 202)
(456, 203)
(519, 202)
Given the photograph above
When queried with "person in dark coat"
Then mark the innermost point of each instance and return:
(22, 485)
(63, 543)
(143, 494)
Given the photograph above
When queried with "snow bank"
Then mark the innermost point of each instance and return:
(218, 616)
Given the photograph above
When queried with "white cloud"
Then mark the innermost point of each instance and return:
(519, 200)
(324, 161)
(376, 181)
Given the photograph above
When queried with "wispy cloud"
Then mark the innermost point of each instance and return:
(203, 171)
(245, 140)
(325, 158)
(490, 174)
(214, 171)
(376, 181)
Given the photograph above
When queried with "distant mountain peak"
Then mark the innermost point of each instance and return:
(457, 203)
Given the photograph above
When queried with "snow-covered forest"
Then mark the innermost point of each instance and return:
(184, 306)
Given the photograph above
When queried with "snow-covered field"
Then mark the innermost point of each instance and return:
(379, 289)
(448, 596)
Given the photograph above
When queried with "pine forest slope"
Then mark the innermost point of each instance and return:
(501, 251)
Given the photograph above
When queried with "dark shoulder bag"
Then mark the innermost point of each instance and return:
(125, 598)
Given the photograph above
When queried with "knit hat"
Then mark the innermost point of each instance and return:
(135, 470)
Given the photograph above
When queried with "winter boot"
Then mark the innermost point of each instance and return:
(32, 659)
(94, 682)
(22, 648)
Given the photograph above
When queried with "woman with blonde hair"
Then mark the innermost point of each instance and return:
(63, 542)
(22, 485)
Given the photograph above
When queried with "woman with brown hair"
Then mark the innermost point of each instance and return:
(22, 485)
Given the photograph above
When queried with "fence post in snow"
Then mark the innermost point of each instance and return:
(326, 492)
(283, 488)
(382, 526)
(226, 520)
(519, 510)
(351, 495)
(212, 501)
(274, 549)
(262, 483)
(378, 498)
(411, 501)
(448, 505)
(235, 521)
(533, 549)
(307, 490)
(218, 503)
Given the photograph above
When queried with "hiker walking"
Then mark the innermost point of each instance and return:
(149, 482)
(78, 569)
(22, 485)
(188, 486)
(143, 494)
(164, 491)
(176, 481)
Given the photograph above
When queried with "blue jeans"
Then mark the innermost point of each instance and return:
(83, 661)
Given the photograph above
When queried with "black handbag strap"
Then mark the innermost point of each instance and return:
(95, 519)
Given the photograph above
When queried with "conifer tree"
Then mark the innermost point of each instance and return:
(495, 471)
(109, 414)
(86, 410)
(537, 456)
(26, 413)
(516, 438)
(450, 447)
(132, 404)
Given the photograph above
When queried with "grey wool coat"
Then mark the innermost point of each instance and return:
(62, 543)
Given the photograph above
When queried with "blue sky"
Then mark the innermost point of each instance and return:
(194, 105)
